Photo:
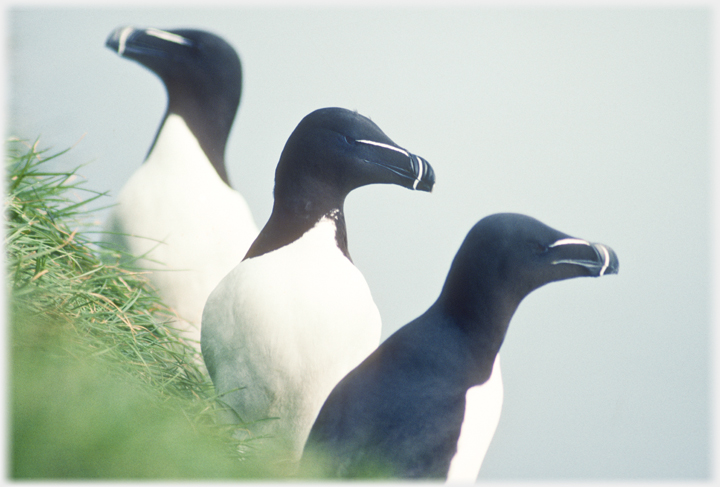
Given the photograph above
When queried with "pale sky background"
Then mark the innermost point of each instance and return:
(596, 121)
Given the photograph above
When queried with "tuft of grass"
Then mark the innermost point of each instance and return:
(56, 271)
(101, 384)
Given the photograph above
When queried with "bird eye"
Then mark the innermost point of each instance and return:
(349, 140)
(537, 247)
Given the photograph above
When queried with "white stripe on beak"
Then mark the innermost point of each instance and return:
(606, 262)
(123, 38)
(167, 36)
(386, 146)
(420, 173)
(570, 241)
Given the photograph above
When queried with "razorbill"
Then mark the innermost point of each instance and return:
(177, 212)
(284, 326)
(426, 403)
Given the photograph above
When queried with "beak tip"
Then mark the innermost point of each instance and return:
(118, 38)
(614, 266)
(426, 186)
(111, 43)
(426, 175)
(611, 263)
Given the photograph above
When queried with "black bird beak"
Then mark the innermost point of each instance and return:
(415, 172)
(597, 258)
(128, 41)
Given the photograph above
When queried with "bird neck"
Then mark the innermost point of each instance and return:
(287, 223)
(210, 122)
(178, 152)
(484, 318)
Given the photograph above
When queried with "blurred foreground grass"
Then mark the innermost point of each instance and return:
(100, 384)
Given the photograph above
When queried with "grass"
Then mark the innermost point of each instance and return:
(100, 384)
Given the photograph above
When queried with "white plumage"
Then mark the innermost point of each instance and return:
(289, 324)
(483, 405)
(190, 227)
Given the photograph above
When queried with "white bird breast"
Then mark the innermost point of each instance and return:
(187, 220)
(483, 405)
(287, 326)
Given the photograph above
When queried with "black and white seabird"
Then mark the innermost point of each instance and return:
(296, 315)
(178, 210)
(426, 403)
